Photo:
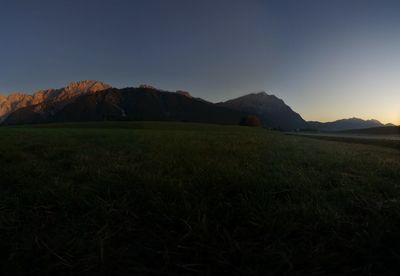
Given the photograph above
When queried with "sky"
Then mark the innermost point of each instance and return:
(327, 59)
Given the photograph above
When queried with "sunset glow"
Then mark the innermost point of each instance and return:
(199, 137)
(327, 59)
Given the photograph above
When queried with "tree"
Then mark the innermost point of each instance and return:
(250, 120)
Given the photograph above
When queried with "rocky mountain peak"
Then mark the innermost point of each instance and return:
(73, 90)
(16, 96)
(272, 111)
(262, 93)
(260, 100)
(87, 86)
(184, 93)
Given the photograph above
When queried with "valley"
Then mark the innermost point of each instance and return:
(153, 198)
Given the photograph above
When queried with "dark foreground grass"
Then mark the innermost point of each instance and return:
(178, 199)
(395, 144)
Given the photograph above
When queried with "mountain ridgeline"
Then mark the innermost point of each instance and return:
(272, 111)
(346, 124)
(97, 101)
(21, 108)
(80, 102)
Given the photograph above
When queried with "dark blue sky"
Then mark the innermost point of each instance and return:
(328, 59)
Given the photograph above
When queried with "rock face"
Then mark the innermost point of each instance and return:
(48, 101)
(272, 111)
(13, 102)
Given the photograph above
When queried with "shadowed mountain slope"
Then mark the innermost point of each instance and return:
(144, 103)
(272, 111)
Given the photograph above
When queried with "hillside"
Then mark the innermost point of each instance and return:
(143, 103)
(140, 198)
(272, 111)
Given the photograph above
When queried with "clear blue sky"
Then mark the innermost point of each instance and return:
(328, 59)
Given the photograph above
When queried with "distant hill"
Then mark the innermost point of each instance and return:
(143, 103)
(386, 130)
(345, 124)
(272, 111)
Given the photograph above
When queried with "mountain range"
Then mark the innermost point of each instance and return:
(97, 101)
(346, 124)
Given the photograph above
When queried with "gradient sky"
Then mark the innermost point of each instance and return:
(328, 59)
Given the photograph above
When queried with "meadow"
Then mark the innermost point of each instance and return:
(149, 198)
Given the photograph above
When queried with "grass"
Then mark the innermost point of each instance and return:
(377, 142)
(182, 199)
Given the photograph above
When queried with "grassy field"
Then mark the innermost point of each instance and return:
(179, 199)
(383, 142)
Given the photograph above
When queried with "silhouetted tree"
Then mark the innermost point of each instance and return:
(250, 120)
